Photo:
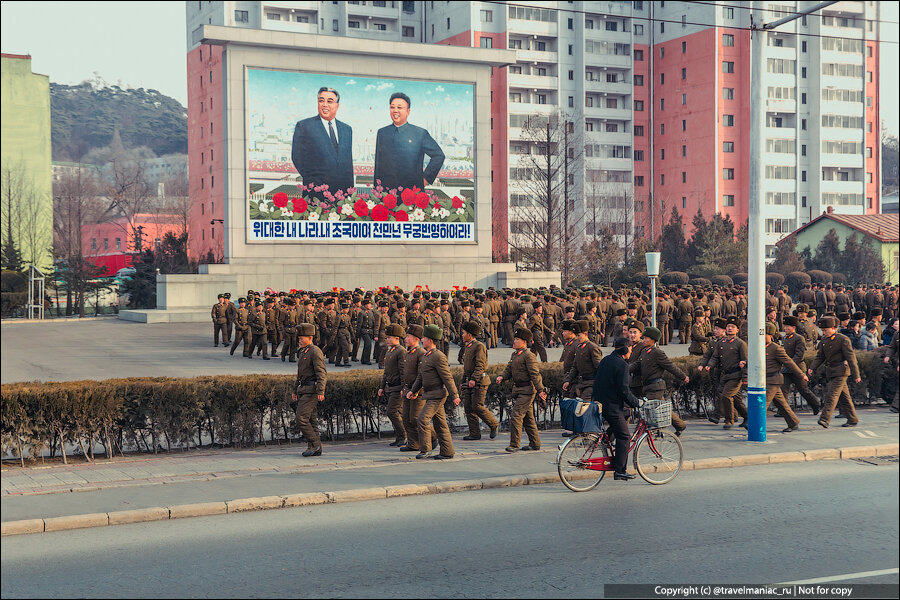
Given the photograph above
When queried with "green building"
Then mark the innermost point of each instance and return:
(882, 230)
(27, 189)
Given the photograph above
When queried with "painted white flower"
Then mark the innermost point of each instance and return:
(313, 216)
(370, 204)
(418, 215)
(460, 211)
(444, 213)
(263, 207)
(347, 209)
(287, 213)
(334, 216)
(435, 211)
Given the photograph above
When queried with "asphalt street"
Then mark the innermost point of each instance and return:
(766, 524)
(108, 348)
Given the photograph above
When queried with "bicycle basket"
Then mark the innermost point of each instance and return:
(657, 413)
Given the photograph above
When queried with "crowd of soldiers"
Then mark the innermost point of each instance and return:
(408, 334)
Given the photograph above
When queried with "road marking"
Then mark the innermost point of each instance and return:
(831, 578)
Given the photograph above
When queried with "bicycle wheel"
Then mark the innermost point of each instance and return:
(570, 462)
(660, 462)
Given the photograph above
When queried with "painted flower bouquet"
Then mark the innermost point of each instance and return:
(318, 203)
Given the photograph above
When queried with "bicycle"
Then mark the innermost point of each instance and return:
(658, 454)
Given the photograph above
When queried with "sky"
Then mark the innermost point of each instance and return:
(143, 44)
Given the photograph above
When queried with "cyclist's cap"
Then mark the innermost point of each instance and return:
(621, 343)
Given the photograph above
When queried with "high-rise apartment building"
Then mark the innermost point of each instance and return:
(658, 93)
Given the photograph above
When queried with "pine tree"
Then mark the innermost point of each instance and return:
(828, 253)
(11, 257)
(673, 246)
(787, 260)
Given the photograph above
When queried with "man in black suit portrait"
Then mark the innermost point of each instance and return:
(400, 150)
(322, 150)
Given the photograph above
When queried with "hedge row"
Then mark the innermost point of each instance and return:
(156, 413)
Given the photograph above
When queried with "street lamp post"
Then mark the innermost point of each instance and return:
(653, 271)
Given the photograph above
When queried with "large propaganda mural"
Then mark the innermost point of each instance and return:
(334, 158)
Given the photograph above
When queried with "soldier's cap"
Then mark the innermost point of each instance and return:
(801, 308)
(569, 325)
(329, 301)
(581, 326)
(570, 308)
(289, 301)
(771, 328)
(306, 329)
(698, 312)
(477, 304)
(733, 321)
(812, 313)
(858, 316)
(345, 305)
(367, 300)
(395, 330)
(309, 302)
(844, 316)
(792, 321)
(653, 333)
(270, 300)
(621, 342)
(620, 312)
(827, 322)
(445, 302)
(415, 330)
(228, 295)
(445, 295)
(242, 300)
(720, 322)
(433, 332)
(631, 306)
(221, 296)
(464, 303)
(382, 303)
(536, 304)
(634, 324)
(472, 327)
(877, 311)
(590, 304)
(524, 335)
(429, 306)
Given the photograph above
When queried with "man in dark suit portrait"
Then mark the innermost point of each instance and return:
(322, 150)
(400, 150)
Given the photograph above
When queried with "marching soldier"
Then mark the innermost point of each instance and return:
(220, 320)
(777, 361)
(259, 329)
(523, 370)
(699, 335)
(840, 363)
(436, 380)
(341, 336)
(730, 356)
(310, 388)
(474, 383)
(651, 364)
(272, 324)
(446, 326)
(365, 330)
(795, 347)
(634, 331)
(586, 356)
(412, 406)
(325, 326)
(718, 333)
(510, 311)
(662, 318)
(392, 382)
(382, 321)
(537, 328)
(230, 317)
(242, 328)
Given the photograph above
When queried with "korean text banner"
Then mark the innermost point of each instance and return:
(335, 158)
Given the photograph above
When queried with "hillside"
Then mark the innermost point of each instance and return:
(84, 117)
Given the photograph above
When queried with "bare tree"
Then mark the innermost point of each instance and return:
(25, 214)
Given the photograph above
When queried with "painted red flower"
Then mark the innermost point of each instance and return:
(280, 199)
(401, 215)
(380, 213)
(361, 208)
(422, 200)
(408, 196)
(390, 201)
(457, 202)
(300, 205)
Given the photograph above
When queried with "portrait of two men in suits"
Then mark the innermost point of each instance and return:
(322, 148)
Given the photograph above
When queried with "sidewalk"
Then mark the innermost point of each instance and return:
(220, 476)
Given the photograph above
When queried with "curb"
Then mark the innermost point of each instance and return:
(238, 505)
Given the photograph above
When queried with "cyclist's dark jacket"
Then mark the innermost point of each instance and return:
(611, 385)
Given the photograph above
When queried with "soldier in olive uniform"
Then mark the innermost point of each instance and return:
(365, 330)
(382, 321)
(242, 327)
(412, 406)
(777, 361)
(435, 378)
(651, 364)
(586, 356)
(258, 329)
(718, 332)
(272, 325)
(795, 347)
(392, 382)
(341, 336)
(446, 326)
(523, 370)
(230, 317)
(699, 335)
(475, 382)
(220, 320)
(839, 359)
(730, 356)
(290, 319)
(310, 388)
(538, 331)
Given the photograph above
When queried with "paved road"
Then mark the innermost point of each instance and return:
(752, 525)
(109, 348)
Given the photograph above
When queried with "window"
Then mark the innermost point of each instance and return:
(803, 98)
(571, 24)
(588, 126)
(683, 99)
(662, 179)
(570, 49)
(683, 150)
(516, 45)
(803, 124)
(93, 243)
(684, 124)
(683, 177)
(728, 66)
(383, 27)
(639, 181)
(683, 73)
(638, 55)
(802, 176)
(106, 243)
(727, 39)
(119, 241)
(727, 146)
(409, 31)
(241, 16)
(803, 46)
(588, 101)
(727, 93)
(301, 19)
(803, 150)
(612, 103)
(335, 26)
(683, 44)
(515, 96)
(662, 104)
(662, 129)
(448, 22)
(273, 16)
(638, 80)
(540, 46)
(728, 200)
(542, 99)
(487, 42)
(684, 202)
(662, 78)
(638, 29)
(612, 78)
(727, 12)
(638, 105)
(571, 102)
(212, 181)
(487, 16)
(728, 174)
(662, 52)
(780, 65)
(662, 27)
(571, 75)
(728, 120)
(612, 25)
(803, 72)
(638, 131)
(662, 154)
(611, 128)
(202, 209)
(638, 155)
(868, 152)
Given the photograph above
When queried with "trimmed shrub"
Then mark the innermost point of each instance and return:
(740, 278)
(721, 280)
(775, 279)
(819, 276)
(839, 278)
(641, 277)
(700, 281)
(795, 281)
(674, 278)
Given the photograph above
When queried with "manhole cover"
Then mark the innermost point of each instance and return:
(877, 460)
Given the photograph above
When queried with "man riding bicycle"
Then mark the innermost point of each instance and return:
(612, 392)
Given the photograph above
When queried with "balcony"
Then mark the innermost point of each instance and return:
(542, 28)
(370, 11)
(853, 109)
(600, 85)
(844, 161)
(528, 108)
(606, 137)
(292, 26)
(777, 105)
(539, 56)
(610, 164)
(532, 82)
(609, 114)
(601, 35)
(617, 61)
(303, 6)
